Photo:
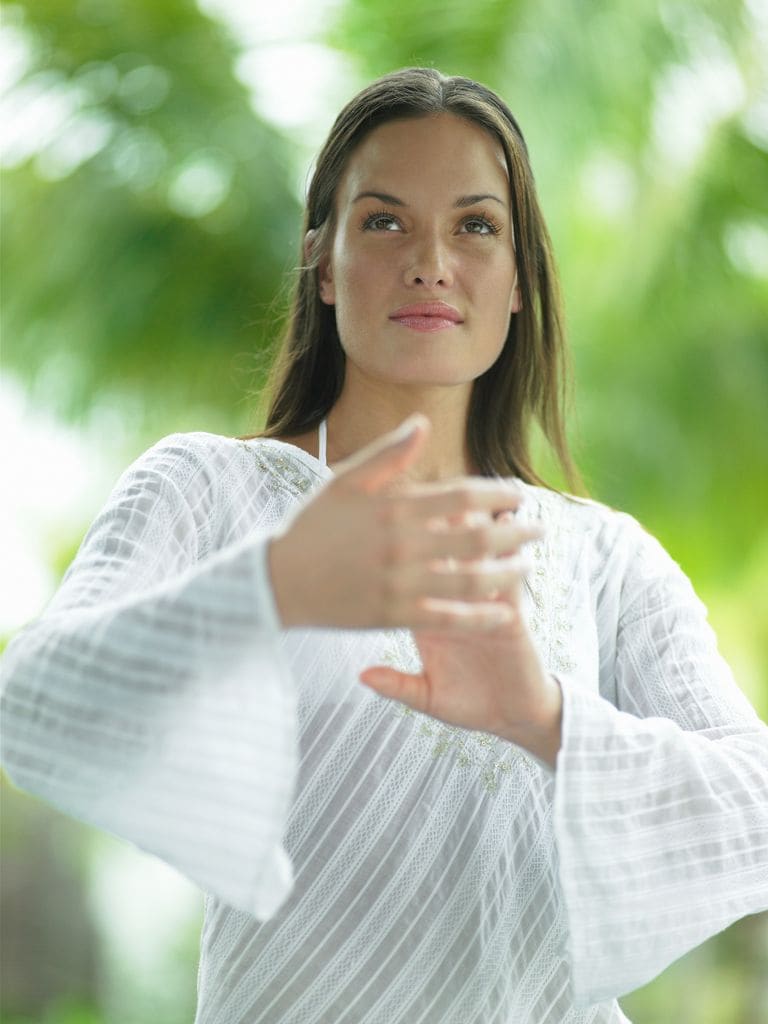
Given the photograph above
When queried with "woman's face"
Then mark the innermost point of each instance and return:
(423, 216)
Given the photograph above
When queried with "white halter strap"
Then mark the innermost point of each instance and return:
(322, 434)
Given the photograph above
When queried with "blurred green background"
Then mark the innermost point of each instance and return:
(155, 156)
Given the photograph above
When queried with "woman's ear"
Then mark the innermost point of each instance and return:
(324, 273)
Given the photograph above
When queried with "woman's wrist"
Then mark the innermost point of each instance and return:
(542, 736)
(285, 596)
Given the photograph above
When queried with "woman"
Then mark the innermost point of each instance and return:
(550, 787)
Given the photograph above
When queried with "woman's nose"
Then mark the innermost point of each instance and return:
(429, 264)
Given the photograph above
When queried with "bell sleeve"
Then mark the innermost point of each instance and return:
(661, 786)
(150, 699)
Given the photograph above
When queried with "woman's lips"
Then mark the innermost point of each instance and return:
(424, 323)
(427, 316)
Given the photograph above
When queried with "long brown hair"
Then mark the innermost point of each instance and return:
(528, 382)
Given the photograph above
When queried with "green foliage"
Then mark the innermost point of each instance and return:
(721, 982)
(63, 1011)
(148, 267)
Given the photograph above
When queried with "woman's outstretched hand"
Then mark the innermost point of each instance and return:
(442, 559)
(370, 551)
(493, 682)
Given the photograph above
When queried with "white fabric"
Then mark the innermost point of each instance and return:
(363, 863)
(322, 442)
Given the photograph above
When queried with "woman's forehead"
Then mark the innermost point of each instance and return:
(437, 152)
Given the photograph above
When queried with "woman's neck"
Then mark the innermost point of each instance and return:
(357, 419)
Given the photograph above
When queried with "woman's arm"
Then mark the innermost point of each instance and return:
(661, 803)
(150, 699)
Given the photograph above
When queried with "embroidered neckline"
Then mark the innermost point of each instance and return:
(546, 585)
(283, 466)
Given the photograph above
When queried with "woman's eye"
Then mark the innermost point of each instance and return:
(381, 222)
(480, 226)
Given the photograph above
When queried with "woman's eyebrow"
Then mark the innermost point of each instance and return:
(471, 200)
(460, 203)
(383, 196)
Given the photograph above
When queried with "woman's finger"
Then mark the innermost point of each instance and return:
(511, 593)
(379, 463)
(409, 689)
(415, 543)
(447, 499)
(488, 539)
(466, 583)
(449, 616)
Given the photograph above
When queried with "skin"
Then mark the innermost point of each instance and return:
(427, 249)
(406, 532)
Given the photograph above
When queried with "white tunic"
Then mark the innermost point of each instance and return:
(364, 863)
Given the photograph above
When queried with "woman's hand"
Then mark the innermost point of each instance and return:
(369, 551)
(493, 681)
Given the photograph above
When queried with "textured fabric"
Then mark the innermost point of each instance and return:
(363, 863)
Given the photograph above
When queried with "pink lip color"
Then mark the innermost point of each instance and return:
(429, 316)
(424, 323)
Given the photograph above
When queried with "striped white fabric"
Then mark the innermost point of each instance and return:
(363, 863)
